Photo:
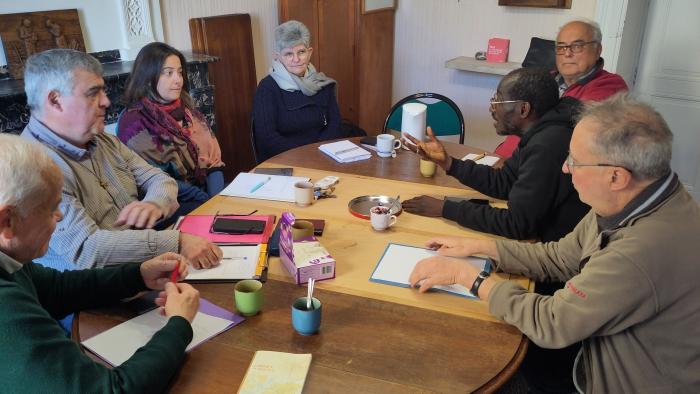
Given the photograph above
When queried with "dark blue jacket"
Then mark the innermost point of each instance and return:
(284, 120)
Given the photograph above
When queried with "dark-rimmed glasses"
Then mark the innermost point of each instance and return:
(574, 47)
(571, 163)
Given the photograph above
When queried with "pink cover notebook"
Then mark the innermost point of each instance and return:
(201, 224)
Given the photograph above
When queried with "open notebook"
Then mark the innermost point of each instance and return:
(263, 186)
(482, 159)
(119, 343)
(397, 262)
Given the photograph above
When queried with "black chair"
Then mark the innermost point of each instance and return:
(444, 116)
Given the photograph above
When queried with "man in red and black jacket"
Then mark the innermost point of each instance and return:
(579, 73)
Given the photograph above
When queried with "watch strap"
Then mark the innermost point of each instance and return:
(477, 282)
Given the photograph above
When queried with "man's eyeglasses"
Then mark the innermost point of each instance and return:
(575, 47)
(302, 53)
(493, 102)
(571, 164)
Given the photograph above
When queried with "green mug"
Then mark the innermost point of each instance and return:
(248, 297)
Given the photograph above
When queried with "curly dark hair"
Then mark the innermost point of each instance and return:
(533, 85)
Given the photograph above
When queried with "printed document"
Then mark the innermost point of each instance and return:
(239, 262)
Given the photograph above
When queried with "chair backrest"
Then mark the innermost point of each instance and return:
(256, 155)
(443, 116)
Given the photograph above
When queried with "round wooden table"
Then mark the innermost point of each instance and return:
(373, 337)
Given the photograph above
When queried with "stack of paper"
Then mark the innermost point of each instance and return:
(397, 262)
(276, 372)
(119, 343)
(263, 187)
(344, 151)
(482, 159)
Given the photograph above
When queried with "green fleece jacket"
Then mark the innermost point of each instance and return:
(632, 297)
(36, 355)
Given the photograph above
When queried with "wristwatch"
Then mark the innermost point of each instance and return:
(477, 282)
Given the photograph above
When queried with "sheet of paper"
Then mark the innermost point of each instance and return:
(276, 372)
(119, 343)
(397, 262)
(486, 160)
(239, 262)
(263, 187)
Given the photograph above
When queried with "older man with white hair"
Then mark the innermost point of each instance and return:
(36, 354)
(580, 72)
(631, 266)
(111, 197)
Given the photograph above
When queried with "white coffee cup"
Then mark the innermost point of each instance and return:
(303, 193)
(386, 145)
(381, 218)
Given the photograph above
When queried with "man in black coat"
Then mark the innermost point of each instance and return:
(542, 202)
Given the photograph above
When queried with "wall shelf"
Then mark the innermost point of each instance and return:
(465, 63)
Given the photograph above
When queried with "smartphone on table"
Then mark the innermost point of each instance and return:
(237, 226)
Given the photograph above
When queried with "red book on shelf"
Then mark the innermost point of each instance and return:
(498, 50)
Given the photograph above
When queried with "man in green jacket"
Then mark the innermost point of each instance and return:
(631, 295)
(36, 354)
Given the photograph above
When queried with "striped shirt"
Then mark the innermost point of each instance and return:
(98, 183)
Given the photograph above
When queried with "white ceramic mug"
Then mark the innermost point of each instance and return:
(381, 218)
(303, 193)
(387, 144)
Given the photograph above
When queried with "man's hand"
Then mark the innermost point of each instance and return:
(463, 247)
(199, 251)
(179, 299)
(156, 272)
(432, 149)
(139, 215)
(424, 206)
(438, 270)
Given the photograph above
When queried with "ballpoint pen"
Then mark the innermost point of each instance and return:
(479, 157)
(173, 275)
(346, 150)
(259, 185)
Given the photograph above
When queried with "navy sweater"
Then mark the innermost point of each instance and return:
(284, 120)
(542, 202)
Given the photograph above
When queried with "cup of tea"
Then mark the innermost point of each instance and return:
(387, 144)
(248, 297)
(303, 193)
(381, 218)
(306, 321)
(427, 168)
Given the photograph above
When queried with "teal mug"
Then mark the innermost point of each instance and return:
(306, 321)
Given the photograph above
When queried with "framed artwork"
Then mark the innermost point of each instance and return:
(537, 3)
(27, 33)
(369, 6)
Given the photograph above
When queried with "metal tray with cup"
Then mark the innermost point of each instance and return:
(360, 206)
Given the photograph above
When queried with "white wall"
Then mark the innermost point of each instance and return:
(102, 21)
(263, 14)
(428, 33)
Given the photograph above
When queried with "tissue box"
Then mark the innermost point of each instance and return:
(305, 258)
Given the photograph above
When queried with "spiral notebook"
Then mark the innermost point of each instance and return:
(345, 151)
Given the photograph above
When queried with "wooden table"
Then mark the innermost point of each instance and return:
(374, 337)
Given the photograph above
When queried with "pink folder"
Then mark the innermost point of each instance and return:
(201, 225)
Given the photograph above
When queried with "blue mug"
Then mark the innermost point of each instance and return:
(306, 321)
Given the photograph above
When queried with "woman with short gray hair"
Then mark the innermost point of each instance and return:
(295, 105)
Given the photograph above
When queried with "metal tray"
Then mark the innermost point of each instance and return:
(360, 206)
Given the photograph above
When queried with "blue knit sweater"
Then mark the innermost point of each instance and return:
(284, 120)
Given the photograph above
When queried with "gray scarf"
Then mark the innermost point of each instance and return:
(310, 84)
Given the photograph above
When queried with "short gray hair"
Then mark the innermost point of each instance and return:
(631, 134)
(593, 26)
(53, 70)
(290, 34)
(27, 173)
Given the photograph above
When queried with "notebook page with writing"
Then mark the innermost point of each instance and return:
(263, 186)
